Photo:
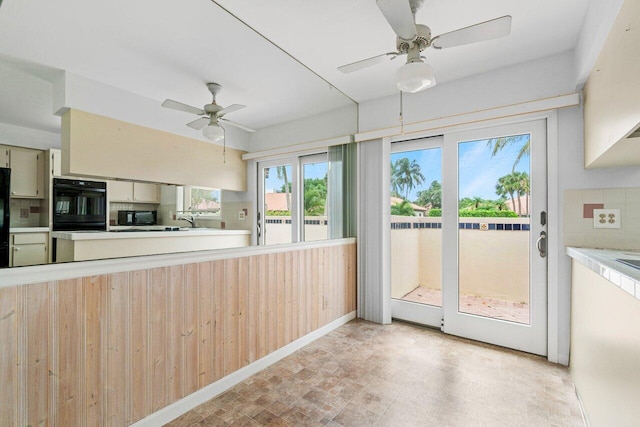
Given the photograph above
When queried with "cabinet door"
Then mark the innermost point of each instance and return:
(55, 162)
(29, 254)
(4, 157)
(144, 192)
(25, 176)
(120, 191)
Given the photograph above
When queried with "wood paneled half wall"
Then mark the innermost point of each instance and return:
(114, 348)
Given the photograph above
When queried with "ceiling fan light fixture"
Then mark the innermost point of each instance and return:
(415, 76)
(213, 132)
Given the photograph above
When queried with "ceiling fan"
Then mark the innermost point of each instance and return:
(213, 115)
(416, 75)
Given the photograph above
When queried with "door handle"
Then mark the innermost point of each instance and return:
(541, 244)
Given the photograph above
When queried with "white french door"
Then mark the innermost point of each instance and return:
(481, 266)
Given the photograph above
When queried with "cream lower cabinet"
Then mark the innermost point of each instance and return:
(133, 192)
(28, 249)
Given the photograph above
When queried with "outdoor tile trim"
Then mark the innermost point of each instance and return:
(603, 263)
(461, 225)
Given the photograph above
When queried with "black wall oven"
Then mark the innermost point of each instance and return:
(79, 205)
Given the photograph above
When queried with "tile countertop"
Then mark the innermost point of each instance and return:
(603, 262)
(15, 230)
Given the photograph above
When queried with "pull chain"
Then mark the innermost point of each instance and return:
(401, 118)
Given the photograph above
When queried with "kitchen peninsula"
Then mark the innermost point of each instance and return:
(92, 245)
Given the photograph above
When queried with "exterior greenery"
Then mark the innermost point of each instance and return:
(403, 208)
(480, 213)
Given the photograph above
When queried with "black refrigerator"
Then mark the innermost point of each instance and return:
(5, 178)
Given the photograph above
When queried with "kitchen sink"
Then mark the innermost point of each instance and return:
(630, 262)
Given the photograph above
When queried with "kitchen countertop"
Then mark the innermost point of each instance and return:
(147, 234)
(603, 262)
(16, 230)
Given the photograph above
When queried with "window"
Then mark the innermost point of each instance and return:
(307, 198)
(199, 201)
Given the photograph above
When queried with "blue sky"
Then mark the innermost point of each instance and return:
(478, 171)
(311, 170)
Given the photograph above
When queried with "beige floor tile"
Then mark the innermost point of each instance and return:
(365, 374)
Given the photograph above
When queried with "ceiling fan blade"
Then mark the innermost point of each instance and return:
(198, 124)
(364, 63)
(399, 16)
(175, 105)
(488, 30)
(238, 125)
(230, 109)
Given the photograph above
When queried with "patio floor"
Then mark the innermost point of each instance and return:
(472, 304)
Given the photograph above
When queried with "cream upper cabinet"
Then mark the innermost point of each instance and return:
(4, 157)
(55, 162)
(120, 191)
(27, 171)
(611, 94)
(145, 192)
(133, 192)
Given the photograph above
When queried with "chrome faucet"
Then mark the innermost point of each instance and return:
(191, 220)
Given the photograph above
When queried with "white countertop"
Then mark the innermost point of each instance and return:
(603, 262)
(183, 232)
(16, 230)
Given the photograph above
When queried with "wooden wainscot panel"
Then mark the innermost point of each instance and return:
(9, 355)
(114, 348)
(98, 146)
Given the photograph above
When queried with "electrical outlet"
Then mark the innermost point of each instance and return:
(606, 218)
(241, 215)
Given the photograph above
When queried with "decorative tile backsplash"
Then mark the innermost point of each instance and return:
(579, 230)
(24, 213)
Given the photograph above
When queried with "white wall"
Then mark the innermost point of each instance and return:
(28, 137)
(73, 91)
(339, 122)
(551, 76)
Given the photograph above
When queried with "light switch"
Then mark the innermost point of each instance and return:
(606, 218)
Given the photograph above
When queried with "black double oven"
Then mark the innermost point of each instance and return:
(79, 205)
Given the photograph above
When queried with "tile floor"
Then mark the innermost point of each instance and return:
(366, 374)
(472, 304)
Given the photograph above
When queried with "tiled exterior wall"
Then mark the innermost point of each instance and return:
(578, 226)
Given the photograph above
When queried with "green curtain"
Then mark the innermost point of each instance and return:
(342, 191)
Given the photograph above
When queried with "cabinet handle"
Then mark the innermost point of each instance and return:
(13, 192)
(16, 249)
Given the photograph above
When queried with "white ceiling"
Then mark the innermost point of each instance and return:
(169, 49)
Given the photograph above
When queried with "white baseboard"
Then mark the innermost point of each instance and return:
(185, 404)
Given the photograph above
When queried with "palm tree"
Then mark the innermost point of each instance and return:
(507, 185)
(498, 144)
(431, 197)
(406, 175)
(282, 175)
(524, 188)
(395, 182)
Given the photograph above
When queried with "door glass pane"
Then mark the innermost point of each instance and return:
(494, 228)
(416, 226)
(277, 204)
(314, 176)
